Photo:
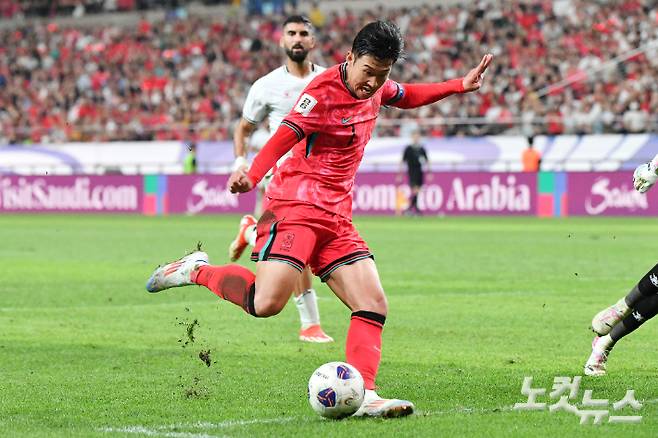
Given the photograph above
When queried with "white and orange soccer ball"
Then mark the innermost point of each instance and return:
(336, 390)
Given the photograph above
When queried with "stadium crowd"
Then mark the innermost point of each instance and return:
(187, 77)
(78, 8)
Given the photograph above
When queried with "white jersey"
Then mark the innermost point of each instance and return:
(274, 95)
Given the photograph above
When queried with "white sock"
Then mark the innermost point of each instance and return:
(307, 304)
(250, 235)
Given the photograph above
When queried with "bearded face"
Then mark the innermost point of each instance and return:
(297, 40)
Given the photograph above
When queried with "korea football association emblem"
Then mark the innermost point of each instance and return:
(288, 240)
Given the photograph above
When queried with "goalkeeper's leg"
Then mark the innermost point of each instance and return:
(605, 320)
(645, 309)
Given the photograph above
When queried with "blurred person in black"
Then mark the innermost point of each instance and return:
(415, 157)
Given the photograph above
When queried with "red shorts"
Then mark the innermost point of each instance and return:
(300, 234)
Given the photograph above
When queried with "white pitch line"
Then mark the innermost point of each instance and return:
(160, 433)
(464, 411)
(166, 430)
(230, 423)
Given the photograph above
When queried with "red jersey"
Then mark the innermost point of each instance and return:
(333, 127)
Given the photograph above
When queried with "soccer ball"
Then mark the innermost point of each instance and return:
(335, 390)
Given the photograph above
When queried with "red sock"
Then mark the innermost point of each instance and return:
(364, 344)
(232, 283)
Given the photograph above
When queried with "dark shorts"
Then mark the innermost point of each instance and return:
(416, 178)
(300, 234)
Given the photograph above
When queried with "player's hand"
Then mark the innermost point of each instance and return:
(239, 182)
(473, 79)
(644, 177)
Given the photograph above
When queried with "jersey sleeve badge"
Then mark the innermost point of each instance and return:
(305, 104)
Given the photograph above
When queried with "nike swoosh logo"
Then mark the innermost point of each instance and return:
(344, 120)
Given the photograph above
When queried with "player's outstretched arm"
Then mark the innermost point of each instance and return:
(281, 142)
(646, 175)
(415, 95)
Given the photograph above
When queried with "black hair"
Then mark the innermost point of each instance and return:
(298, 19)
(380, 39)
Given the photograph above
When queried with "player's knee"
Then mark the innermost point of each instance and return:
(268, 306)
(376, 303)
(381, 305)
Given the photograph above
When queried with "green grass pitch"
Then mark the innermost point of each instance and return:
(476, 304)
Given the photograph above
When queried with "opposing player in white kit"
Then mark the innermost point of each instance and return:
(638, 306)
(273, 96)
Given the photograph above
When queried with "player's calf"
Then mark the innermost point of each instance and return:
(230, 282)
(644, 310)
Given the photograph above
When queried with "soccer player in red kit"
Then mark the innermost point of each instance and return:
(308, 208)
